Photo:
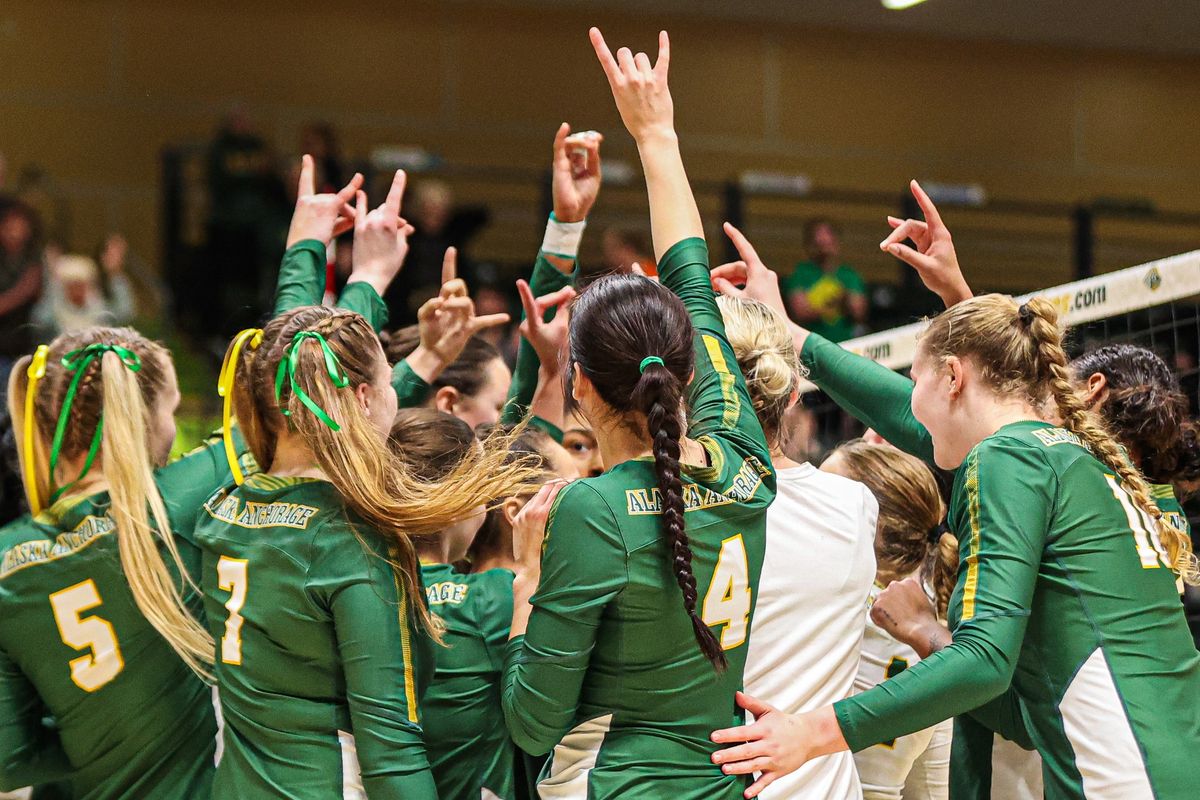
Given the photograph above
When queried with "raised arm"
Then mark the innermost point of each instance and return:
(575, 185)
(718, 399)
(934, 258)
(380, 246)
(869, 391)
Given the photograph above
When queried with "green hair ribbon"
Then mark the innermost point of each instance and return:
(78, 361)
(647, 361)
(287, 371)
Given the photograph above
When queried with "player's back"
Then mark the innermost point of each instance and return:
(133, 720)
(811, 610)
(469, 748)
(276, 553)
(1107, 667)
(651, 699)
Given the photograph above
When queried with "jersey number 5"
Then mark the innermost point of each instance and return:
(231, 576)
(727, 601)
(104, 662)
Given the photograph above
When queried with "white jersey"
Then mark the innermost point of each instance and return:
(913, 767)
(808, 622)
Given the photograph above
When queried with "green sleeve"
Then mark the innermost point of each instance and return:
(879, 397)
(30, 753)
(583, 569)
(546, 278)
(301, 277)
(186, 483)
(971, 760)
(1005, 716)
(1003, 507)
(552, 430)
(411, 388)
(718, 403)
(361, 298)
(373, 630)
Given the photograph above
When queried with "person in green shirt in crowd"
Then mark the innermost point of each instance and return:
(607, 665)
(1067, 630)
(825, 294)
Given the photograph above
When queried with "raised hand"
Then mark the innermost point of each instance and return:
(760, 281)
(321, 216)
(380, 238)
(529, 529)
(934, 258)
(640, 89)
(548, 339)
(576, 173)
(448, 321)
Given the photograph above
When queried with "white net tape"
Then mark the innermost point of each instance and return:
(1088, 300)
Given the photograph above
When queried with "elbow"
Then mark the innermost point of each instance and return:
(528, 734)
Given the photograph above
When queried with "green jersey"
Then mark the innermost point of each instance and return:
(609, 674)
(1063, 592)
(469, 748)
(130, 719)
(320, 660)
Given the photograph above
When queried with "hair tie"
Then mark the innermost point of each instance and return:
(1025, 315)
(252, 338)
(36, 371)
(287, 370)
(647, 361)
(935, 534)
(78, 361)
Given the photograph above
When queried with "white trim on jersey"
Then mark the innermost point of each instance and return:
(1106, 751)
(352, 786)
(220, 748)
(573, 760)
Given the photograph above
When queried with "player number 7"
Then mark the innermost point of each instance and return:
(232, 577)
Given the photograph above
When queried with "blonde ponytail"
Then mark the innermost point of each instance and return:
(128, 469)
(1053, 368)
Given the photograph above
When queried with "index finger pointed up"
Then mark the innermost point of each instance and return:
(396, 193)
(449, 265)
(360, 211)
(308, 181)
(664, 55)
(605, 55)
(742, 244)
(528, 303)
(927, 207)
(561, 159)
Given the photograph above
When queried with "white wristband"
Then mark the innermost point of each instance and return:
(562, 238)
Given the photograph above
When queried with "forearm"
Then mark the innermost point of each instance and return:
(976, 668)
(407, 772)
(364, 298)
(408, 377)
(547, 403)
(524, 587)
(551, 272)
(1003, 715)
(301, 276)
(879, 397)
(673, 212)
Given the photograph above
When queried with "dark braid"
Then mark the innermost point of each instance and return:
(661, 395)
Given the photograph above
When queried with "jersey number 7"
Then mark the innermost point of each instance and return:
(727, 601)
(95, 634)
(232, 577)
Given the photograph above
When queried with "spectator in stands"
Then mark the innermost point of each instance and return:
(20, 281)
(75, 299)
(624, 247)
(824, 294)
(439, 225)
(319, 140)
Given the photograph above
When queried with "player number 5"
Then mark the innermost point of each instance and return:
(231, 576)
(727, 601)
(95, 634)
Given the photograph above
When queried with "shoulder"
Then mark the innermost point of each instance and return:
(583, 514)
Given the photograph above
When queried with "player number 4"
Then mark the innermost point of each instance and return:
(727, 601)
(231, 576)
(94, 634)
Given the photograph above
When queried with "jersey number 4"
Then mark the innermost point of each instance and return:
(727, 601)
(231, 576)
(94, 634)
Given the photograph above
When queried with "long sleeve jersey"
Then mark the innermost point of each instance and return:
(608, 674)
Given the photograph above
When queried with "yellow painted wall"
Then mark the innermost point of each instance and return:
(94, 90)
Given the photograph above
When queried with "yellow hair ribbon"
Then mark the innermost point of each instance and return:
(36, 371)
(254, 337)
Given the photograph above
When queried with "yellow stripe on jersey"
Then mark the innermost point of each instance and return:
(410, 685)
(733, 405)
(972, 583)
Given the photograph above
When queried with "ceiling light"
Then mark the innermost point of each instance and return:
(900, 5)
